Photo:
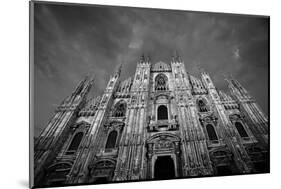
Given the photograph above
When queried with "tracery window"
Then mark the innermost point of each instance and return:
(120, 110)
(162, 113)
(202, 106)
(241, 130)
(111, 140)
(75, 143)
(161, 82)
(211, 132)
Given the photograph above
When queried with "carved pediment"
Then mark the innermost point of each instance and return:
(235, 117)
(221, 156)
(163, 136)
(81, 125)
(117, 124)
(102, 167)
(163, 143)
(162, 96)
(208, 118)
(102, 163)
(60, 166)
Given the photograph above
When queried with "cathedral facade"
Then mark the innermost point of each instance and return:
(161, 123)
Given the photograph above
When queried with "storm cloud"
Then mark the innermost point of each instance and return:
(72, 41)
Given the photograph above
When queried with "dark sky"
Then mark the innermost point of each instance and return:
(72, 41)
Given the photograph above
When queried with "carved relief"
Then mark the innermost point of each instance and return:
(101, 168)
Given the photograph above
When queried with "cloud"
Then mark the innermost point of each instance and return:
(236, 53)
(136, 44)
(72, 41)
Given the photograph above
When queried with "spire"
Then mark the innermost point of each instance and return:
(229, 80)
(90, 77)
(148, 58)
(142, 58)
(80, 86)
(118, 70)
(199, 68)
(176, 57)
(173, 57)
(91, 81)
(241, 89)
(236, 87)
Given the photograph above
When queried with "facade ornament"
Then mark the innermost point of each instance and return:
(145, 133)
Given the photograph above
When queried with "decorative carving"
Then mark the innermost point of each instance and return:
(208, 119)
(114, 125)
(163, 144)
(236, 117)
(103, 167)
(161, 82)
(221, 157)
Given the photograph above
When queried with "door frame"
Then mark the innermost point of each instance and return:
(154, 158)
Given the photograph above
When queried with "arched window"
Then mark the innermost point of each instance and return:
(202, 105)
(241, 130)
(120, 110)
(162, 113)
(57, 174)
(211, 132)
(161, 82)
(75, 143)
(111, 140)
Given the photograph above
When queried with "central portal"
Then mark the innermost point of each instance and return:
(164, 168)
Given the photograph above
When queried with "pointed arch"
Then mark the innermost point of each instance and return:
(57, 173)
(161, 82)
(111, 140)
(211, 132)
(241, 130)
(76, 140)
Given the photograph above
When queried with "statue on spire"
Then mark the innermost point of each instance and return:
(118, 69)
(176, 57)
(148, 59)
(142, 58)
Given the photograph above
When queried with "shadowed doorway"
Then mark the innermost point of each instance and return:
(101, 180)
(164, 168)
(224, 170)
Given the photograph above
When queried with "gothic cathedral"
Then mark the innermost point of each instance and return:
(162, 123)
